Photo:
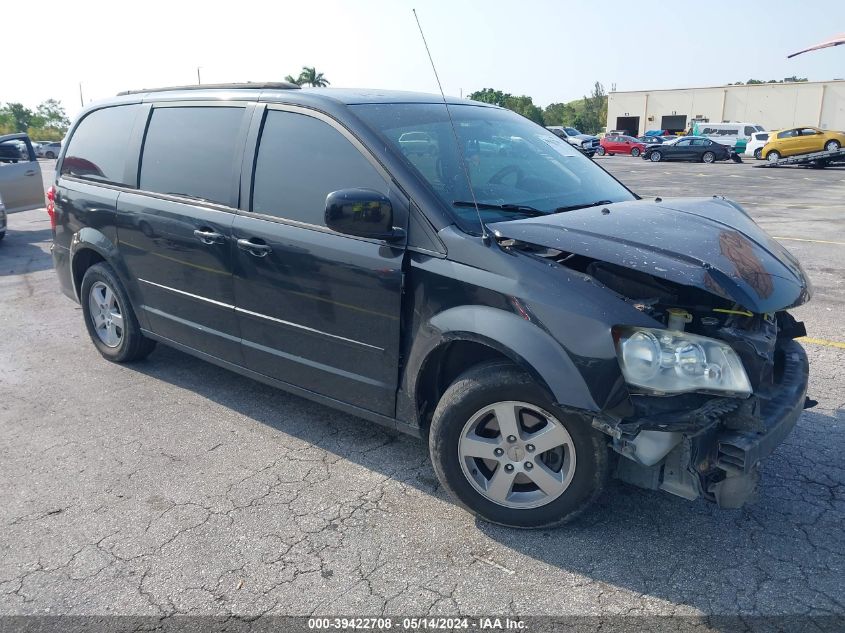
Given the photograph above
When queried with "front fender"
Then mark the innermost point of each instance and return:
(528, 345)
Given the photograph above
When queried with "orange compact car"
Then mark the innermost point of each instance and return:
(801, 140)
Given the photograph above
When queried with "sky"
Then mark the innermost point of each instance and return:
(551, 51)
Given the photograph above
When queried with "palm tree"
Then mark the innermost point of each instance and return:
(310, 77)
(292, 80)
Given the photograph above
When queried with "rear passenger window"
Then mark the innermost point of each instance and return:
(191, 151)
(300, 161)
(98, 147)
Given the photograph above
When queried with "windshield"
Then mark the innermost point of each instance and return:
(572, 131)
(512, 162)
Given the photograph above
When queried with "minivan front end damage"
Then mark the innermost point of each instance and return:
(719, 381)
(697, 445)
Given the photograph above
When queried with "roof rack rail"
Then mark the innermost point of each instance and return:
(271, 85)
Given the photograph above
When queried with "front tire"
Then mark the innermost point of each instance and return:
(758, 153)
(50, 155)
(109, 317)
(635, 152)
(502, 448)
(655, 157)
(773, 156)
(601, 151)
(832, 146)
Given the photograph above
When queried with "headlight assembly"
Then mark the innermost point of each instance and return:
(670, 362)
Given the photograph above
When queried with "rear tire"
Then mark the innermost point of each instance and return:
(467, 420)
(758, 153)
(109, 317)
(635, 151)
(655, 156)
(708, 157)
(50, 155)
(832, 146)
(773, 156)
(600, 151)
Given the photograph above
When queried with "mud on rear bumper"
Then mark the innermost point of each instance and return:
(710, 457)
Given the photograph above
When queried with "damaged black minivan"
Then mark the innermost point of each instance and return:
(458, 273)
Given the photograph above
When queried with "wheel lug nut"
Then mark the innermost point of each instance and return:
(528, 465)
(530, 448)
(511, 438)
(509, 468)
(498, 452)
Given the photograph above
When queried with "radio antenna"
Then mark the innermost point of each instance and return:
(484, 235)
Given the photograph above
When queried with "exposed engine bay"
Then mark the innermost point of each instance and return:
(697, 444)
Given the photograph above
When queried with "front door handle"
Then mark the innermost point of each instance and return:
(209, 236)
(257, 249)
(30, 172)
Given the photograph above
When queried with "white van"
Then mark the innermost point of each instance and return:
(729, 133)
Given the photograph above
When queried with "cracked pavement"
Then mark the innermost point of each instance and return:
(172, 486)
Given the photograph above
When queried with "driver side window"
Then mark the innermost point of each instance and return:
(300, 161)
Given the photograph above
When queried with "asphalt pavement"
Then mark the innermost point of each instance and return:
(173, 486)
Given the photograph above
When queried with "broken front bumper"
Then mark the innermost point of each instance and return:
(743, 451)
(713, 451)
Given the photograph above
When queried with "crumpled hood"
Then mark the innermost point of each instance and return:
(708, 243)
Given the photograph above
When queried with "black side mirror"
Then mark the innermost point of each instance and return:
(361, 212)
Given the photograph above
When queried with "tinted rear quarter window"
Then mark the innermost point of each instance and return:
(300, 161)
(191, 151)
(99, 145)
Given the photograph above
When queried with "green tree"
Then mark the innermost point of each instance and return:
(559, 114)
(489, 95)
(523, 105)
(19, 116)
(51, 114)
(310, 77)
(49, 122)
(785, 80)
(292, 80)
(7, 123)
(594, 112)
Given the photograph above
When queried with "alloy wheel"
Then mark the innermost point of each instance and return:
(517, 455)
(105, 314)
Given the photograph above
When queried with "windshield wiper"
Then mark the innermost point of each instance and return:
(573, 207)
(517, 208)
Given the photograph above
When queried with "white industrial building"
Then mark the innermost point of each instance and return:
(774, 106)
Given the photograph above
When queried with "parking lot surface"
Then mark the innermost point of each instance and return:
(173, 486)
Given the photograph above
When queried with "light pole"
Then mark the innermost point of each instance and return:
(199, 80)
(81, 102)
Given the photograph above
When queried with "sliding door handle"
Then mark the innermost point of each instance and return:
(255, 248)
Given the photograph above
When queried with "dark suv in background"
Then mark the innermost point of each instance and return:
(498, 293)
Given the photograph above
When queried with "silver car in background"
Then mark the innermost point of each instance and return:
(21, 187)
(48, 150)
